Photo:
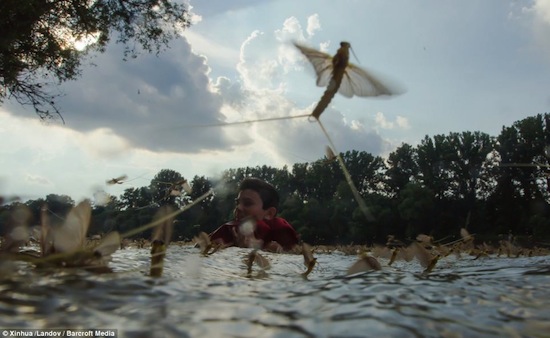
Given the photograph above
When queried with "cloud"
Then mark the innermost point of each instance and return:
(400, 122)
(291, 30)
(313, 24)
(103, 143)
(42, 159)
(538, 16)
(267, 64)
(148, 101)
(194, 17)
(37, 179)
(542, 9)
(161, 105)
(541, 23)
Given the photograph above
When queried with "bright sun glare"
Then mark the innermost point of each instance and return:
(84, 42)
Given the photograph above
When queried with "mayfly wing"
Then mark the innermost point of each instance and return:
(363, 264)
(357, 81)
(309, 260)
(322, 64)
(186, 187)
(307, 252)
(203, 241)
(329, 154)
(109, 244)
(72, 234)
(262, 262)
(330, 72)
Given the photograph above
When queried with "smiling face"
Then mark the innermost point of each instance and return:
(250, 204)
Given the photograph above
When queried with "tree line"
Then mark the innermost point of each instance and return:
(492, 186)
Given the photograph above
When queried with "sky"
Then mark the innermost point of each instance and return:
(464, 66)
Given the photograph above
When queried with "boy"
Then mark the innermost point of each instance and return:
(255, 223)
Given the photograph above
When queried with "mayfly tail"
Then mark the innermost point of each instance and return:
(227, 124)
(325, 100)
(358, 197)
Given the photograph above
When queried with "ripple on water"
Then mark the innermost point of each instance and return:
(214, 296)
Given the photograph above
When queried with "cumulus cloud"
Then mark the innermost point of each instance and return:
(313, 24)
(194, 17)
(103, 143)
(538, 16)
(162, 104)
(402, 122)
(291, 30)
(542, 9)
(148, 101)
(382, 122)
(264, 71)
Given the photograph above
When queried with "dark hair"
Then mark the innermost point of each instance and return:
(268, 194)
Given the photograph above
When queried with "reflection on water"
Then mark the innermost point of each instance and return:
(213, 296)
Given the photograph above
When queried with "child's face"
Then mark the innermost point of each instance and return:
(250, 204)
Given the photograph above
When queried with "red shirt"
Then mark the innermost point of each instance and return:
(281, 232)
(276, 229)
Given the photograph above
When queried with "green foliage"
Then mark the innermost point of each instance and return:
(416, 208)
(402, 168)
(37, 40)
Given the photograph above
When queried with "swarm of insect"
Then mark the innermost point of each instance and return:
(63, 244)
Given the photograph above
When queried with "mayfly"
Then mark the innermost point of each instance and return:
(309, 260)
(161, 239)
(364, 263)
(202, 240)
(255, 257)
(426, 258)
(331, 156)
(117, 180)
(339, 75)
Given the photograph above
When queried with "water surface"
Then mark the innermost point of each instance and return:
(215, 297)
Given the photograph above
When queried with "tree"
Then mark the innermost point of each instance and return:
(416, 207)
(166, 188)
(469, 168)
(38, 40)
(521, 180)
(136, 198)
(402, 168)
(434, 156)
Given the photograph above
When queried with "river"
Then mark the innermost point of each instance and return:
(214, 296)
